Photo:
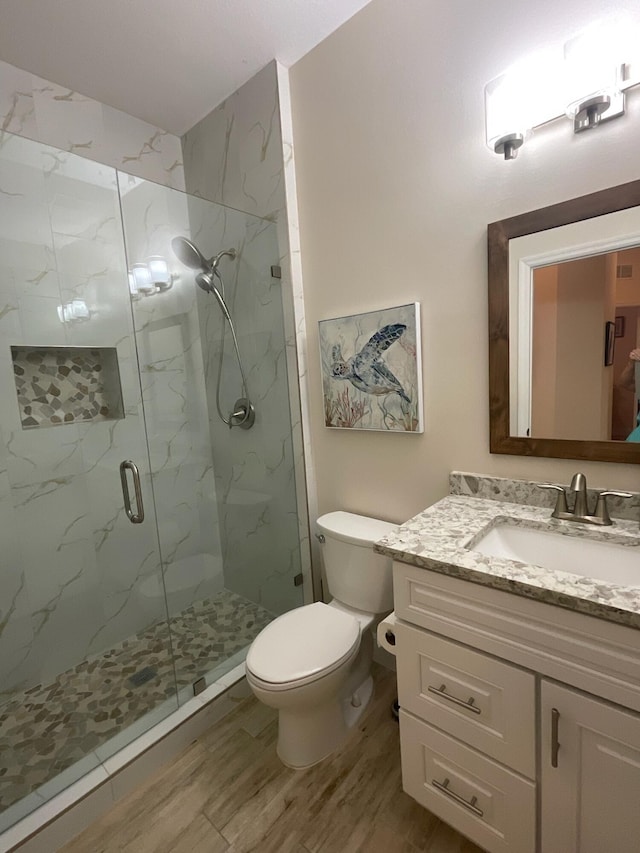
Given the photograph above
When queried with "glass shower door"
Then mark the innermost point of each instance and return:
(84, 649)
(225, 497)
(109, 357)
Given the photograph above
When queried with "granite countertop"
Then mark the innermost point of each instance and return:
(441, 539)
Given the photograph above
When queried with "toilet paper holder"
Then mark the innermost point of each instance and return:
(386, 634)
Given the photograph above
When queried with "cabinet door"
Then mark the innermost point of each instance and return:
(591, 798)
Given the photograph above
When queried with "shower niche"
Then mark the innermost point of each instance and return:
(66, 385)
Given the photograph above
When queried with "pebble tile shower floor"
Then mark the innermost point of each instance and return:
(48, 728)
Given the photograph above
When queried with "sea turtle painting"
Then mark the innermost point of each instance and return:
(366, 369)
(371, 370)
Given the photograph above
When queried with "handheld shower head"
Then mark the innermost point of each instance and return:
(192, 257)
(205, 280)
(243, 414)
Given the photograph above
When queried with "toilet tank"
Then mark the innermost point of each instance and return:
(356, 575)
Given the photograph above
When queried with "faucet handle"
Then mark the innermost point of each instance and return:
(602, 510)
(561, 501)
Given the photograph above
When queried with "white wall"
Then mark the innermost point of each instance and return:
(396, 187)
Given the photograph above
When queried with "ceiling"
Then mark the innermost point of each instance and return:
(169, 62)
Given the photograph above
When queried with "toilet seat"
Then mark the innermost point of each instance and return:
(302, 646)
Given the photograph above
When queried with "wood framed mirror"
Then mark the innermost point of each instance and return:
(510, 431)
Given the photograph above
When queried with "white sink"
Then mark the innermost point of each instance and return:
(617, 564)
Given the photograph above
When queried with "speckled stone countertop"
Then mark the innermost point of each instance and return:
(441, 539)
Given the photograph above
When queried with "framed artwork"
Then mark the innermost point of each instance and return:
(372, 370)
(609, 343)
(620, 327)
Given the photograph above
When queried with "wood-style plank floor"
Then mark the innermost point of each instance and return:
(229, 793)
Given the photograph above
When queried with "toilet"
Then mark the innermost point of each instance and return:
(313, 664)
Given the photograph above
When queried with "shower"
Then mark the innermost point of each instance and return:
(243, 414)
(123, 618)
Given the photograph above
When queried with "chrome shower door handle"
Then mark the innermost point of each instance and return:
(134, 517)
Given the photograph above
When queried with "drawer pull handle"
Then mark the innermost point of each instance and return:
(555, 743)
(442, 693)
(469, 804)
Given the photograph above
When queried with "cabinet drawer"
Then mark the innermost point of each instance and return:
(482, 701)
(481, 799)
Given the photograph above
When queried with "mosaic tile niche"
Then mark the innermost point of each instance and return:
(65, 385)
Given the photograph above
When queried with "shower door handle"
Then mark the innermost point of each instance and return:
(134, 517)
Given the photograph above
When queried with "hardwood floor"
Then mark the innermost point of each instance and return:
(229, 793)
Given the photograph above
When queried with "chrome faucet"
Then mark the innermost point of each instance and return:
(579, 510)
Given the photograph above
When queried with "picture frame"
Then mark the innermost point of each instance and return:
(609, 342)
(371, 365)
(620, 324)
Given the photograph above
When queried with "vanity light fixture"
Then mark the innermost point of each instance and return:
(586, 80)
(74, 311)
(592, 76)
(142, 279)
(133, 287)
(159, 272)
(518, 101)
(151, 277)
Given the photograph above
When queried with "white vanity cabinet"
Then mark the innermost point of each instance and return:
(590, 774)
(496, 689)
(460, 711)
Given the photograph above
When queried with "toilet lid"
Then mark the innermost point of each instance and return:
(306, 641)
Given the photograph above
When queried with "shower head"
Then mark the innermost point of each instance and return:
(188, 253)
(192, 257)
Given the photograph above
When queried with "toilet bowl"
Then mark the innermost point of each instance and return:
(313, 664)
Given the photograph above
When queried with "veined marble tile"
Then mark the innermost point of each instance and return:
(16, 628)
(40, 110)
(26, 268)
(33, 455)
(233, 155)
(142, 149)
(16, 101)
(39, 321)
(68, 120)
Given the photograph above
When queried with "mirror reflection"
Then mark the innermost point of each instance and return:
(564, 328)
(585, 349)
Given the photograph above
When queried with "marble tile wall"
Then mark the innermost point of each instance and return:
(75, 588)
(43, 111)
(253, 468)
(172, 373)
(241, 155)
(60, 239)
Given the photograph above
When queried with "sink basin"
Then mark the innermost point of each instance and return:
(606, 561)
